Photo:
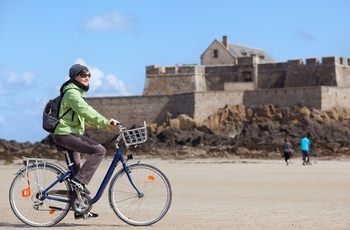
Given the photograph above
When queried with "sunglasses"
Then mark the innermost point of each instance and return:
(85, 75)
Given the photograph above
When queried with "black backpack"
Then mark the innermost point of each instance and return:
(51, 112)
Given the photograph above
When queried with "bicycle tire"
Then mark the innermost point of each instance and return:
(135, 210)
(24, 201)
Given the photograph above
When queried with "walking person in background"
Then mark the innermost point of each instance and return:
(305, 150)
(287, 150)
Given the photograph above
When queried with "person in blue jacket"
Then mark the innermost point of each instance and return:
(305, 150)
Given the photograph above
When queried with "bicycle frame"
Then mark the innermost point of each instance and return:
(116, 159)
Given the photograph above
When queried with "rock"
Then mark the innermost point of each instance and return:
(233, 131)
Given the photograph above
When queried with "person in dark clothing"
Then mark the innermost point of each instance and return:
(287, 150)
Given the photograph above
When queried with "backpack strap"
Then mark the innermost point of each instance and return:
(62, 94)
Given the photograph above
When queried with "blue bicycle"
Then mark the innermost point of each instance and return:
(41, 194)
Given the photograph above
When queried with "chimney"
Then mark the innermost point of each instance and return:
(225, 41)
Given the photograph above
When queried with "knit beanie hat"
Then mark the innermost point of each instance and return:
(75, 69)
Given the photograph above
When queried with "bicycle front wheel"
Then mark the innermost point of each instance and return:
(140, 209)
(29, 203)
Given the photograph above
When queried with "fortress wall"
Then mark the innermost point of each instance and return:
(169, 85)
(180, 104)
(155, 109)
(247, 61)
(238, 86)
(207, 103)
(136, 109)
(174, 80)
(131, 110)
(308, 96)
(335, 97)
(199, 91)
(312, 73)
(216, 76)
(343, 72)
(272, 75)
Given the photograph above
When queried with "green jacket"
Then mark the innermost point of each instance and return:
(81, 112)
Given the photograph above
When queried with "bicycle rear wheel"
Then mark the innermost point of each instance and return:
(27, 201)
(140, 210)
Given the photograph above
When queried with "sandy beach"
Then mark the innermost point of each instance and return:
(227, 194)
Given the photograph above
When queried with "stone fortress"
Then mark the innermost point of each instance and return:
(232, 74)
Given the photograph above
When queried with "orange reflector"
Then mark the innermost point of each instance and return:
(26, 192)
(52, 211)
(151, 177)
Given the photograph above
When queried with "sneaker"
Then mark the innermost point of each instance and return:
(88, 215)
(80, 186)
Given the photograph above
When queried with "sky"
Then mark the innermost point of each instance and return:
(41, 39)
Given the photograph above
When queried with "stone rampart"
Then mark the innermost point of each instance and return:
(288, 97)
(335, 97)
(199, 91)
(272, 75)
(136, 109)
(331, 71)
(312, 73)
(156, 109)
(174, 80)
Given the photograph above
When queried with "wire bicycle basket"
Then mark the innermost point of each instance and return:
(135, 136)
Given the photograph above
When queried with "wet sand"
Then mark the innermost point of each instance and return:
(227, 194)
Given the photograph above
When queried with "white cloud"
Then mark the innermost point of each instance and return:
(112, 21)
(15, 82)
(13, 78)
(96, 80)
(102, 85)
(118, 85)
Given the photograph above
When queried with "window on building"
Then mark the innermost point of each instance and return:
(215, 53)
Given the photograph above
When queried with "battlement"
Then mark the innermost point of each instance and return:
(170, 70)
(325, 61)
(327, 71)
(169, 80)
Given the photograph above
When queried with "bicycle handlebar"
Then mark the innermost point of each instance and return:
(121, 127)
(119, 124)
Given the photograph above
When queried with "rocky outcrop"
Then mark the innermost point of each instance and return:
(233, 131)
